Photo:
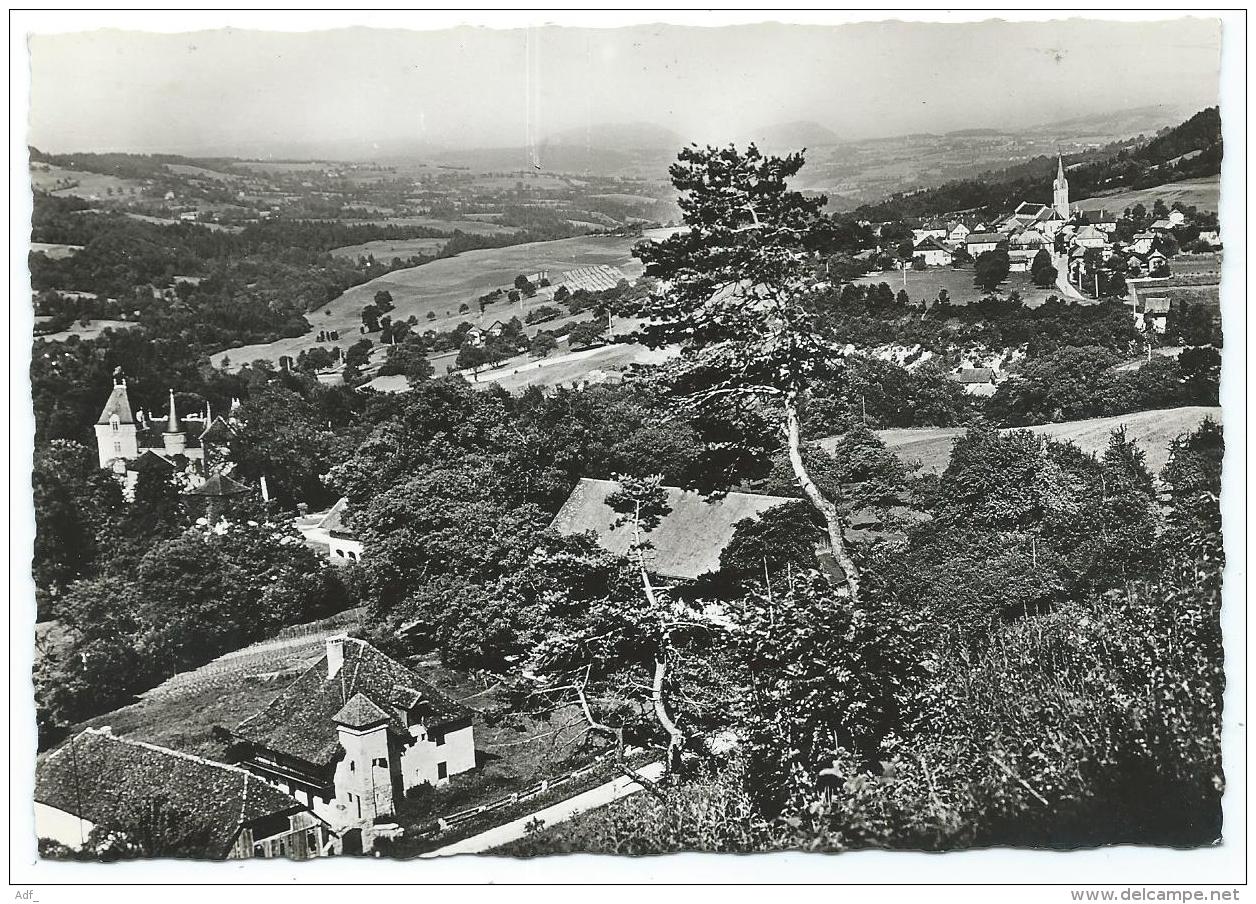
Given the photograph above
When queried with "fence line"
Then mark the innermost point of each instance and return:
(451, 820)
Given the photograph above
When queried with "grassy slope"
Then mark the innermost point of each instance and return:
(1203, 193)
(443, 285)
(1153, 430)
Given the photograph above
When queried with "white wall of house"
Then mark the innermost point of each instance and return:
(58, 825)
(342, 550)
(421, 762)
(977, 248)
(935, 257)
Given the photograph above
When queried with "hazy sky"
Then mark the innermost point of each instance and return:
(248, 92)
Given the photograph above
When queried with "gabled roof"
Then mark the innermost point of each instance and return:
(334, 518)
(220, 485)
(1162, 224)
(1089, 232)
(983, 238)
(1029, 209)
(97, 775)
(218, 430)
(118, 403)
(690, 538)
(932, 243)
(301, 721)
(149, 460)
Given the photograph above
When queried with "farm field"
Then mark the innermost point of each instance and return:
(55, 251)
(47, 178)
(166, 221)
(1153, 431)
(441, 286)
(387, 249)
(1204, 193)
(184, 169)
(596, 365)
(92, 331)
(925, 284)
(475, 227)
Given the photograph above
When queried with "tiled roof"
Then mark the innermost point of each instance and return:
(118, 403)
(360, 712)
(690, 538)
(983, 238)
(95, 774)
(301, 721)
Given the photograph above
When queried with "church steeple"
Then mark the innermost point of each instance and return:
(1059, 190)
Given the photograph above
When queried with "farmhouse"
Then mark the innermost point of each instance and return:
(353, 734)
(1089, 237)
(1021, 260)
(1028, 239)
(98, 780)
(978, 243)
(934, 253)
(977, 381)
(1143, 242)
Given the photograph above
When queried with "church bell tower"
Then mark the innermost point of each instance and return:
(1059, 190)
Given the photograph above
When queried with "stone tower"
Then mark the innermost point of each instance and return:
(1059, 189)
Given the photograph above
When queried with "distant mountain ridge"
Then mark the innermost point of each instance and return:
(1188, 150)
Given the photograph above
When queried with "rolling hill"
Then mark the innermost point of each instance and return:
(1152, 430)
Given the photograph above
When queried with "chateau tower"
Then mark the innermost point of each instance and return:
(1059, 189)
(116, 438)
(173, 438)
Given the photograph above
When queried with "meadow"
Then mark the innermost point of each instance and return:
(925, 284)
(1204, 193)
(49, 178)
(1152, 430)
(441, 286)
(387, 249)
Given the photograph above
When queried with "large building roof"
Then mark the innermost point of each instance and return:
(119, 404)
(301, 721)
(97, 776)
(690, 538)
